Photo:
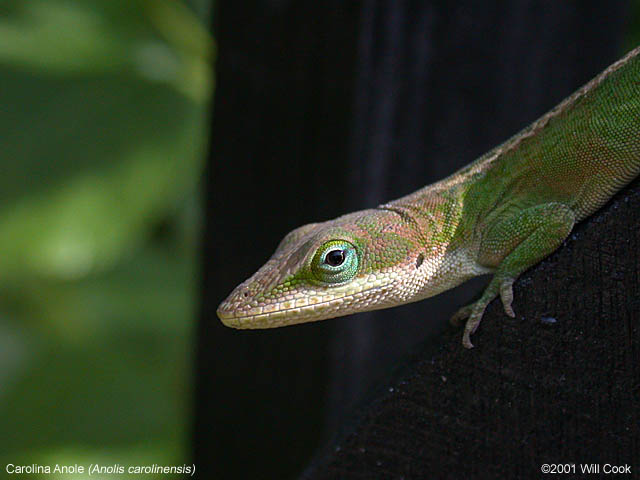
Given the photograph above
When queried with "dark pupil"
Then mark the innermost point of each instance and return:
(335, 258)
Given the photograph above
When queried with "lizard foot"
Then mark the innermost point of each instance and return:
(473, 312)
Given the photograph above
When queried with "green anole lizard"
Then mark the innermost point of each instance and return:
(501, 214)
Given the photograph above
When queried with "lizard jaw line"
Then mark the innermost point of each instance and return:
(278, 318)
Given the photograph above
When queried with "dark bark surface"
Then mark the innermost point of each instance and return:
(326, 107)
(558, 384)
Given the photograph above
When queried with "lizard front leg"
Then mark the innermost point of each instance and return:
(511, 246)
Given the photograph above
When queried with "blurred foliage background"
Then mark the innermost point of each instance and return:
(103, 119)
(103, 109)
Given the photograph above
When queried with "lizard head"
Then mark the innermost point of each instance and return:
(362, 261)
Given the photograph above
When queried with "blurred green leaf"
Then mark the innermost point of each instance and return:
(159, 40)
(109, 361)
(103, 116)
(92, 161)
(96, 179)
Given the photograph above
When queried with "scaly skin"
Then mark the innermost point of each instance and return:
(501, 214)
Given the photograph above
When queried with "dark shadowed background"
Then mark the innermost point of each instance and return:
(134, 197)
(324, 108)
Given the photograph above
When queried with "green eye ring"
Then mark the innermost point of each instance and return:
(335, 262)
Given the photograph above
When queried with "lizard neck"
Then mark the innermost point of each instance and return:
(445, 253)
(435, 211)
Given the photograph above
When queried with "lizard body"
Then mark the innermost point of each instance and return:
(501, 214)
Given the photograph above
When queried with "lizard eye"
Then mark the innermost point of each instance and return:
(335, 258)
(335, 262)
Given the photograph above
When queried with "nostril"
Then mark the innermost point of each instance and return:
(245, 294)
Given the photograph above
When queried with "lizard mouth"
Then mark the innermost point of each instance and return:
(280, 316)
(234, 314)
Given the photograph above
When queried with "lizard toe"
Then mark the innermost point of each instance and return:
(460, 316)
(477, 311)
(506, 295)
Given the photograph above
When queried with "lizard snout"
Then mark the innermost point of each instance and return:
(239, 305)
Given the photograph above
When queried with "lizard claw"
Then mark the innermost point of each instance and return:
(466, 340)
